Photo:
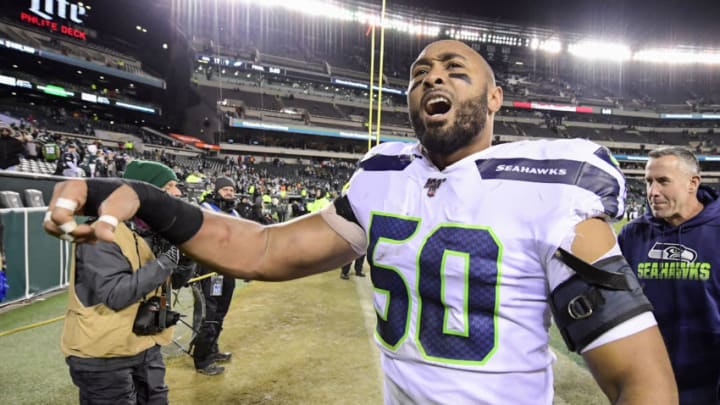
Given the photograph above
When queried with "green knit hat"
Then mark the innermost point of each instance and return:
(154, 173)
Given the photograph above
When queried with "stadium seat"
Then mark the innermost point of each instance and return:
(10, 199)
(33, 198)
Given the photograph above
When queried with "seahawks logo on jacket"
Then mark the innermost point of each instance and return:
(672, 251)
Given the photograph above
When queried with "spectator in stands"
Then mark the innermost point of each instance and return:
(111, 361)
(70, 162)
(91, 161)
(101, 169)
(121, 160)
(51, 151)
(110, 164)
(245, 208)
(31, 147)
(298, 207)
(129, 147)
(673, 250)
(259, 211)
(10, 150)
(469, 247)
(218, 291)
(321, 201)
(283, 207)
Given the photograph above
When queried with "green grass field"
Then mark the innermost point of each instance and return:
(618, 225)
(33, 368)
(34, 371)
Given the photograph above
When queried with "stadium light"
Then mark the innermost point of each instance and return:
(534, 44)
(331, 10)
(591, 50)
(396, 23)
(310, 7)
(677, 56)
(551, 45)
(597, 50)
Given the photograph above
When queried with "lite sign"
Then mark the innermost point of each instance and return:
(51, 13)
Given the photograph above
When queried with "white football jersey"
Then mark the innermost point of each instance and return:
(460, 262)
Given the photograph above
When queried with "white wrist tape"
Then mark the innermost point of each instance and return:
(109, 219)
(69, 226)
(66, 203)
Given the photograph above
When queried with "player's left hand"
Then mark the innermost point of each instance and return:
(69, 198)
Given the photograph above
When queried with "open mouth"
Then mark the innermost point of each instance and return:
(437, 105)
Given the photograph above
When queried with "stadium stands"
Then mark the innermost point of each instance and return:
(36, 166)
(282, 80)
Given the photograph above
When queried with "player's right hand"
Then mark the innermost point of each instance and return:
(69, 198)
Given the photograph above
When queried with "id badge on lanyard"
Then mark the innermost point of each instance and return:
(217, 284)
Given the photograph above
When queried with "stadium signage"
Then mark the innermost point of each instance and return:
(552, 107)
(694, 116)
(43, 12)
(17, 47)
(351, 83)
(47, 11)
(270, 69)
(238, 123)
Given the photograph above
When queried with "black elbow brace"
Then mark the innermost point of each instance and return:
(174, 219)
(586, 307)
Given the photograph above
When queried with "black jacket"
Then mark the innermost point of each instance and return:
(10, 151)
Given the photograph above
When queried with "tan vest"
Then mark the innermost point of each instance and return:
(100, 332)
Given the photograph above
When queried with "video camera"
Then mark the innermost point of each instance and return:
(148, 320)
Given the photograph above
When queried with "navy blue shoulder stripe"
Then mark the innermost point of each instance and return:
(605, 154)
(558, 171)
(380, 163)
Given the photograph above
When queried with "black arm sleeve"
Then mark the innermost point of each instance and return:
(343, 208)
(98, 191)
(174, 219)
(104, 276)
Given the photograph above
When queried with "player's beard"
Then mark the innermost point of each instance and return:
(470, 120)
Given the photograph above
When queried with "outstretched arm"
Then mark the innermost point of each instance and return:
(623, 368)
(233, 246)
(246, 249)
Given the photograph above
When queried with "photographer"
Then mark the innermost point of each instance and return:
(218, 291)
(112, 358)
(245, 207)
